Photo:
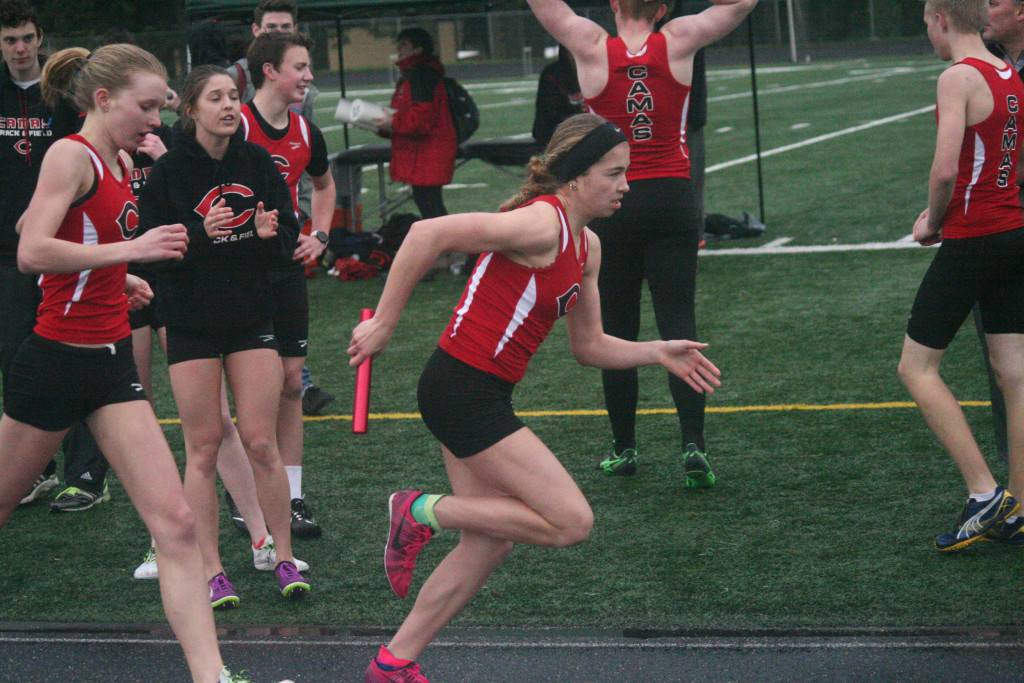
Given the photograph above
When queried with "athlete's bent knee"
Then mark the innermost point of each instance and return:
(575, 528)
(908, 371)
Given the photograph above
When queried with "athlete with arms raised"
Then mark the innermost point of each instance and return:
(640, 80)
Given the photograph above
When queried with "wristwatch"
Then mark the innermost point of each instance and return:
(320, 235)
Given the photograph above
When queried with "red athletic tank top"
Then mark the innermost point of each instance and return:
(985, 198)
(291, 153)
(90, 307)
(649, 105)
(507, 309)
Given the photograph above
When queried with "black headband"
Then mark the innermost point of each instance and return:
(585, 153)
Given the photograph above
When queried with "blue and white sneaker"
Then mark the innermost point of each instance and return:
(976, 519)
(1011, 533)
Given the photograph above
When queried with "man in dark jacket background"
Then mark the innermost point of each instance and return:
(28, 126)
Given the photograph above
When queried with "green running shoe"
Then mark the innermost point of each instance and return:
(622, 464)
(696, 468)
(74, 499)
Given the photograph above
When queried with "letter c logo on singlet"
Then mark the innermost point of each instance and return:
(567, 301)
(282, 165)
(129, 220)
(216, 193)
(23, 147)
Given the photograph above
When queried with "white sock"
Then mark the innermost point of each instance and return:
(980, 497)
(294, 480)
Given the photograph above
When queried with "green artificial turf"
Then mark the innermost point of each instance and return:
(820, 518)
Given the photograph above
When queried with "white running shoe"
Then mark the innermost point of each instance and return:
(227, 677)
(264, 558)
(148, 568)
(41, 485)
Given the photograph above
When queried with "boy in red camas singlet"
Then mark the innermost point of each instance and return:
(973, 210)
(280, 65)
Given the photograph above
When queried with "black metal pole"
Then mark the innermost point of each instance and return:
(757, 116)
(341, 67)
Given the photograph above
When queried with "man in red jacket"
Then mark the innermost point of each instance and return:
(422, 133)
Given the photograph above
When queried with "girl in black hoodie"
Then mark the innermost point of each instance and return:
(217, 307)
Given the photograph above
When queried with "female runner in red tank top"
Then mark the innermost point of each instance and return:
(640, 80)
(974, 210)
(538, 262)
(78, 364)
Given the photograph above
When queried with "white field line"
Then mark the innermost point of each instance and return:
(744, 71)
(898, 71)
(821, 138)
(514, 102)
(772, 249)
(778, 246)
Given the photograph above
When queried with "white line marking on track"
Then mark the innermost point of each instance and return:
(715, 74)
(898, 71)
(770, 250)
(664, 644)
(822, 138)
(516, 102)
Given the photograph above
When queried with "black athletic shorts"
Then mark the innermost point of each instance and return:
(186, 344)
(145, 317)
(291, 315)
(51, 385)
(987, 270)
(467, 409)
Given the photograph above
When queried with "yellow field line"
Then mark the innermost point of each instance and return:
(781, 408)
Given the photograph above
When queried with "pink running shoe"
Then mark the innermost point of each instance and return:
(406, 539)
(407, 674)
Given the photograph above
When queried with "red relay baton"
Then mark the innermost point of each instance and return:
(361, 403)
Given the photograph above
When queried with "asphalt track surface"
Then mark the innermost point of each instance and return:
(95, 653)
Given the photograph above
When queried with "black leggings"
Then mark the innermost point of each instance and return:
(654, 236)
(429, 200)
